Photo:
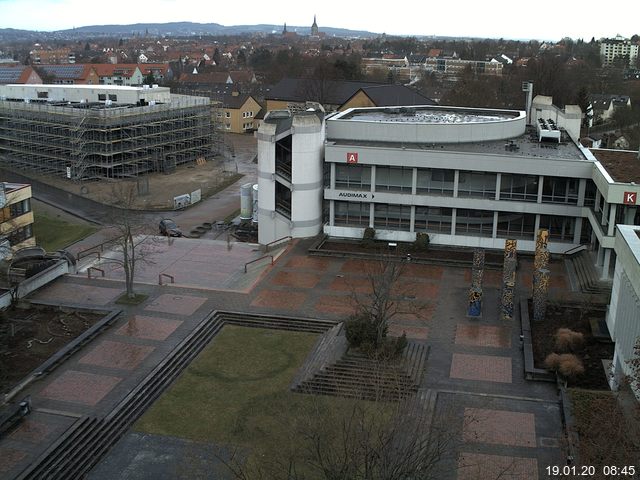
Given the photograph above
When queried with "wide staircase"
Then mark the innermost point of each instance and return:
(586, 275)
(357, 375)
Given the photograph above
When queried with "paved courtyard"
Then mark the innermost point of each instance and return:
(502, 423)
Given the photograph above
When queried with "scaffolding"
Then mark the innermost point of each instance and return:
(96, 141)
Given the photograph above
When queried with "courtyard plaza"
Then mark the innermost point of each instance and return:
(475, 366)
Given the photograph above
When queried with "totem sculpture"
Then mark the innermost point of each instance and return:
(508, 279)
(475, 292)
(541, 276)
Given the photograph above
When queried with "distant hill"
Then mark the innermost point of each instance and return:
(174, 29)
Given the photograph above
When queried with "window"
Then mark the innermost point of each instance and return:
(227, 114)
(43, 94)
(519, 187)
(102, 97)
(352, 214)
(227, 126)
(516, 225)
(590, 194)
(394, 179)
(433, 219)
(477, 184)
(474, 222)
(436, 181)
(20, 235)
(113, 97)
(560, 228)
(560, 190)
(357, 177)
(392, 217)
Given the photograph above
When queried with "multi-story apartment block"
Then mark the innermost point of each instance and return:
(619, 47)
(16, 218)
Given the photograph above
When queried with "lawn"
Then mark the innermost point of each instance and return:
(54, 234)
(236, 393)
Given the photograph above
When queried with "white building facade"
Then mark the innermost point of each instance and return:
(467, 177)
(619, 47)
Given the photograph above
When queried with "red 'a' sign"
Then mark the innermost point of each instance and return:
(352, 157)
(630, 198)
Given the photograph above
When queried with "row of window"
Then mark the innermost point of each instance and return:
(470, 184)
(19, 235)
(438, 220)
(247, 114)
(15, 210)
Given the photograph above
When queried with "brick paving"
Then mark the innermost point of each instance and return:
(486, 368)
(32, 431)
(150, 328)
(464, 365)
(10, 458)
(117, 355)
(80, 387)
(502, 427)
(176, 304)
(483, 335)
(477, 466)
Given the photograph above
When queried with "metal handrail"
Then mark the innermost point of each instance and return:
(96, 269)
(257, 259)
(266, 247)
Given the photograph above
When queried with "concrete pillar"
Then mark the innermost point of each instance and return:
(332, 180)
(494, 232)
(540, 185)
(536, 225)
(414, 183)
(373, 178)
(629, 215)
(605, 213)
(600, 255)
(605, 264)
(412, 221)
(456, 180)
(332, 213)
(611, 230)
(582, 188)
(371, 214)
(453, 221)
(577, 231)
(498, 183)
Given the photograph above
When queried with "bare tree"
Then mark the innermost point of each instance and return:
(132, 241)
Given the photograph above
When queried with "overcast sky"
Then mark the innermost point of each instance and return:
(542, 19)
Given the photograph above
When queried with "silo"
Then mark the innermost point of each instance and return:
(246, 202)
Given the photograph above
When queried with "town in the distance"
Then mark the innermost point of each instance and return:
(306, 252)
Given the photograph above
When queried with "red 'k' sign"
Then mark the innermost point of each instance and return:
(352, 157)
(630, 198)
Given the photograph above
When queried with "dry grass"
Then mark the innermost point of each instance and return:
(567, 340)
(566, 364)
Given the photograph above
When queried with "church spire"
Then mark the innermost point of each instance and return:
(314, 27)
(284, 30)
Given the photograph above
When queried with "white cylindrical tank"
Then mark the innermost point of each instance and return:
(255, 203)
(246, 202)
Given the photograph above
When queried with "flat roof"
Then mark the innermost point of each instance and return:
(428, 114)
(115, 88)
(523, 146)
(622, 165)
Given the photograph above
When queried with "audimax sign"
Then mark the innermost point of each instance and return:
(360, 195)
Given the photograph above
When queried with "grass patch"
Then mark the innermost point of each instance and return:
(236, 392)
(137, 299)
(54, 234)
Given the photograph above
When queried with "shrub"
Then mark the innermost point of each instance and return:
(368, 237)
(552, 362)
(570, 366)
(567, 340)
(360, 330)
(422, 242)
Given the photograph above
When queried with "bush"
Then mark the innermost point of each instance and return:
(567, 340)
(359, 330)
(369, 237)
(566, 364)
(552, 362)
(422, 242)
(570, 366)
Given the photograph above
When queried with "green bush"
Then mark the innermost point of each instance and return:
(359, 330)
(421, 243)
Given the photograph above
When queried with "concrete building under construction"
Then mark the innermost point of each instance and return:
(101, 131)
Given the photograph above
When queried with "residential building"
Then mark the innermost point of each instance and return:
(236, 112)
(119, 74)
(68, 74)
(101, 131)
(18, 74)
(49, 56)
(468, 177)
(456, 66)
(618, 48)
(16, 218)
(295, 94)
(603, 106)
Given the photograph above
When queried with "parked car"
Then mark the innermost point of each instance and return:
(169, 228)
